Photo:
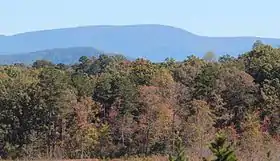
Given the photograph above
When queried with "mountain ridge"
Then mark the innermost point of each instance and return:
(99, 26)
(151, 41)
(135, 25)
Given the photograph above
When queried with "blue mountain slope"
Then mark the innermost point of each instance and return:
(155, 42)
(59, 55)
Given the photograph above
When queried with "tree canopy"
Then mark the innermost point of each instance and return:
(109, 106)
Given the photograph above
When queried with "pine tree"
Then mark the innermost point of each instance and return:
(221, 151)
(179, 151)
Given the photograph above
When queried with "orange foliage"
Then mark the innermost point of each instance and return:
(83, 109)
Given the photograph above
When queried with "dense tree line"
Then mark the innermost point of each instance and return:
(108, 106)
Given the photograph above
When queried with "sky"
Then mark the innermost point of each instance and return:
(202, 17)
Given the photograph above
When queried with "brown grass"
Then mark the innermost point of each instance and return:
(153, 158)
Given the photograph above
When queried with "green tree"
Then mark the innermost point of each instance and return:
(226, 58)
(179, 151)
(169, 63)
(56, 97)
(83, 84)
(42, 64)
(263, 64)
(221, 151)
(18, 110)
(257, 44)
(142, 71)
(83, 59)
(205, 82)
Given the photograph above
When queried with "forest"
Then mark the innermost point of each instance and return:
(214, 109)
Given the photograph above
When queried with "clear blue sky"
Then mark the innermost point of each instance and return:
(203, 17)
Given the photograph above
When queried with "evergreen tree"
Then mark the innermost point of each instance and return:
(179, 151)
(221, 151)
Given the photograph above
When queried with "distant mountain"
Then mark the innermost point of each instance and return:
(59, 55)
(155, 42)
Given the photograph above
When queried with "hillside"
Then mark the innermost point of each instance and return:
(155, 42)
(58, 55)
(109, 108)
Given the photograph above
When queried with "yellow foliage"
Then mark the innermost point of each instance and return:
(162, 78)
(91, 136)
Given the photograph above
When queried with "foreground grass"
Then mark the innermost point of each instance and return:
(152, 158)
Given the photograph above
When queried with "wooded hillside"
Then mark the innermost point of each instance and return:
(111, 107)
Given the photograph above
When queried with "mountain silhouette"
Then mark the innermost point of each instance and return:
(154, 42)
